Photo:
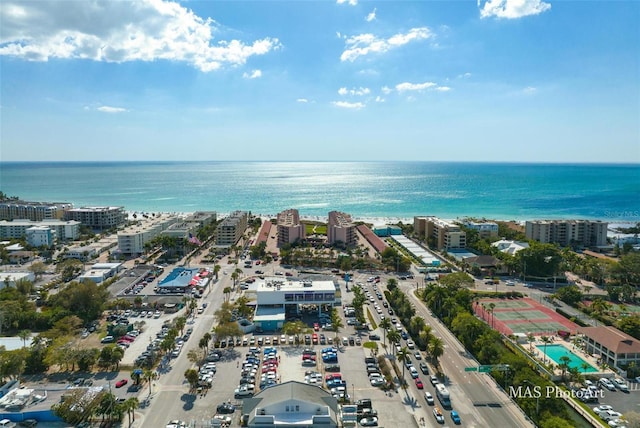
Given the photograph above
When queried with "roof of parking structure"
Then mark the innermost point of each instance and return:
(416, 250)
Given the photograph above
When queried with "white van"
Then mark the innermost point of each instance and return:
(6, 423)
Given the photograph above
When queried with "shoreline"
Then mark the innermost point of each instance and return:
(375, 221)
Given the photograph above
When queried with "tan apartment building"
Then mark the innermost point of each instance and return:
(289, 227)
(231, 229)
(615, 347)
(341, 228)
(34, 211)
(445, 234)
(98, 218)
(589, 233)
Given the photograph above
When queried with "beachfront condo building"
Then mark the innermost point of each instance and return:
(35, 211)
(289, 227)
(231, 229)
(203, 218)
(131, 241)
(589, 233)
(341, 229)
(443, 234)
(61, 230)
(98, 218)
(486, 229)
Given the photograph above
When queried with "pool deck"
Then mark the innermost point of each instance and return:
(539, 354)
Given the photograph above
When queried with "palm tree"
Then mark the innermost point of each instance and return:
(195, 356)
(130, 405)
(385, 325)
(180, 322)
(564, 365)
(403, 353)
(227, 293)
(394, 337)
(149, 376)
(216, 271)
(530, 338)
(425, 336)
(436, 349)
(24, 335)
(492, 306)
(545, 340)
(336, 321)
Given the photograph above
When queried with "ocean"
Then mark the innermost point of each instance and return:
(366, 190)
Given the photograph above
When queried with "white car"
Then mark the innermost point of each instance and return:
(617, 423)
(602, 408)
(411, 344)
(621, 384)
(609, 415)
(429, 398)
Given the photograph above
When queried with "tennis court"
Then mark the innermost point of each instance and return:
(522, 316)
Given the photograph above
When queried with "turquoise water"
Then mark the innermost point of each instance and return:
(554, 352)
(363, 189)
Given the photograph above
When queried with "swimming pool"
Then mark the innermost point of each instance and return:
(554, 352)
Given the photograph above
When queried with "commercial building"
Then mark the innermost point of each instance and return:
(132, 240)
(61, 230)
(34, 211)
(616, 348)
(341, 229)
(589, 233)
(98, 218)
(293, 405)
(231, 229)
(11, 278)
(443, 234)
(289, 227)
(486, 229)
(278, 296)
(101, 271)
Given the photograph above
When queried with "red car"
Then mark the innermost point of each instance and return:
(314, 339)
(121, 383)
(316, 326)
(419, 383)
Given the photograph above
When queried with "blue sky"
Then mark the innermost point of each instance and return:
(496, 80)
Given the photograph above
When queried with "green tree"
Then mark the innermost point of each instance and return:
(385, 325)
(294, 328)
(394, 337)
(457, 279)
(570, 294)
(403, 353)
(191, 376)
(336, 321)
(84, 299)
(436, 350)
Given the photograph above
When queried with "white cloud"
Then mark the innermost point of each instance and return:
(302, 100)
(350, 2)
(443, 89)
(386, 90)
(119, 31)
(379, 99)
(464, 76)
(406, 86)
(512, 9)
(371, 16)
(109, 109)
(364, 44)
(529, 90)
(345, 104)
(253, 75)
(354, 91)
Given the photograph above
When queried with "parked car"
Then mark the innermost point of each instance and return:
(121, 383)
(369, 422)
(226, 408)
(621, 384)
